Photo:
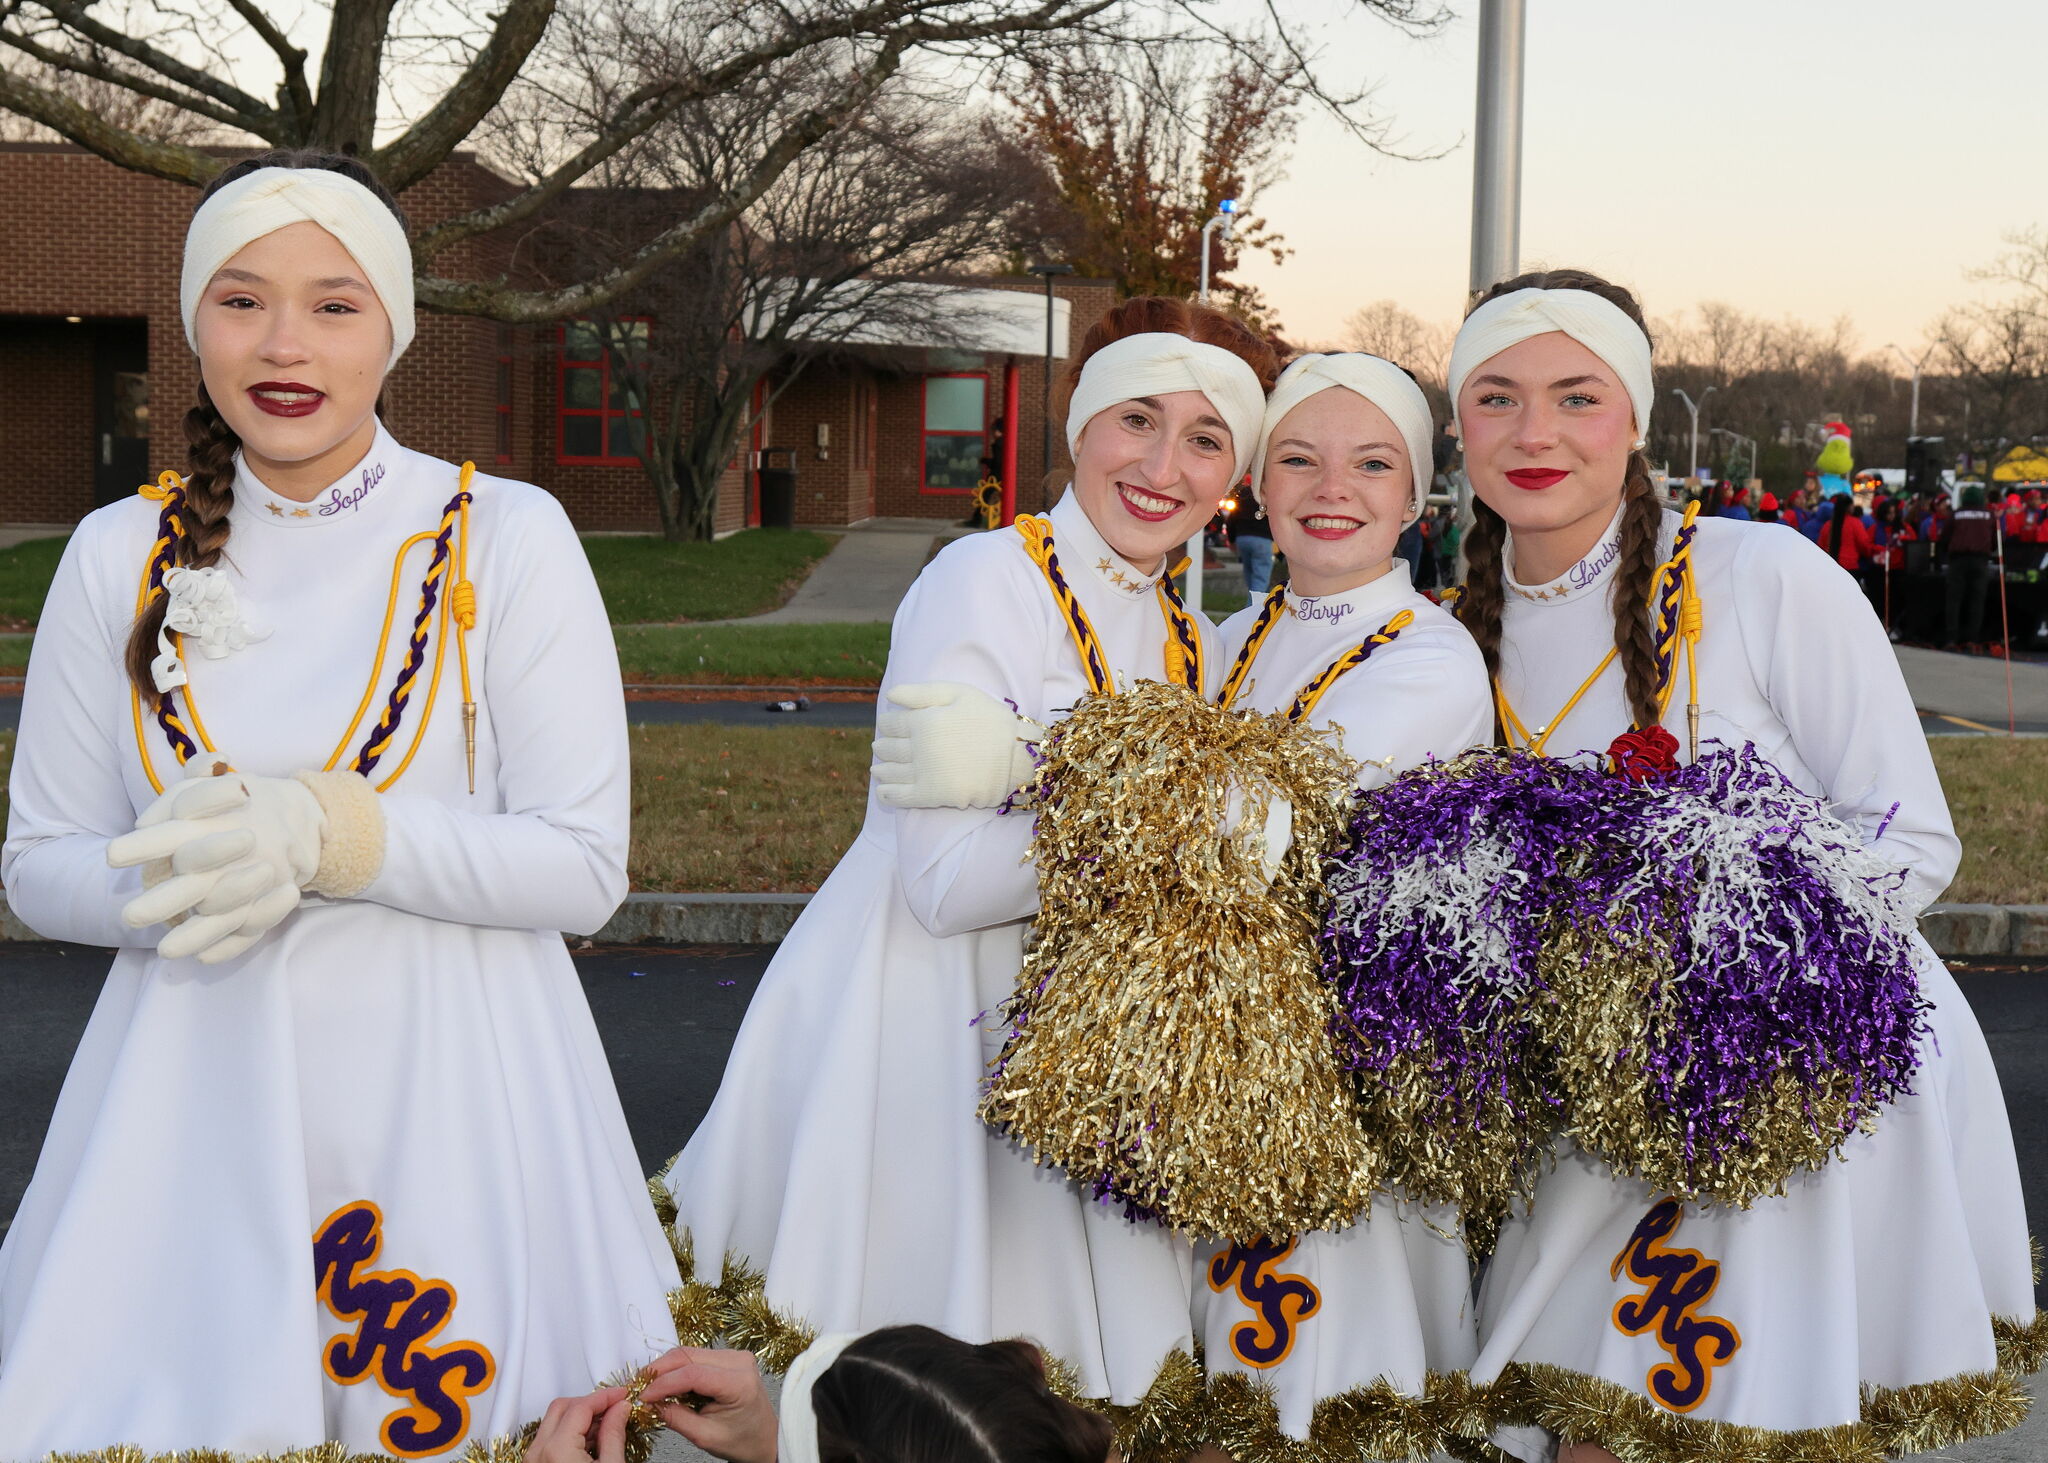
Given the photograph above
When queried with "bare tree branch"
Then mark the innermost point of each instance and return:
(92, 66)
(252, 114)
(118, 145)
(421, 148)
(500, 301)
(292, 58)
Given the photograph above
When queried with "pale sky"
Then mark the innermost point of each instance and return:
(1809, 158)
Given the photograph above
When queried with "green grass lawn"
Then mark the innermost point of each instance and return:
(649, 580)
(644, 580)
(740, 809)
(762, 655)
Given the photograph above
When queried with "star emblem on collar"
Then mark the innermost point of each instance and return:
(275, 511)
(302, 512)
(1119, 579)
(1103, 565)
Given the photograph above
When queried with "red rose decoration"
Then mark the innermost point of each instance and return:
(1642, 755)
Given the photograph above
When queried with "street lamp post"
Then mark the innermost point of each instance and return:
(1045, 405)
(1226, 220)
(1497, 144)
(1913, 425)
(1692, 474)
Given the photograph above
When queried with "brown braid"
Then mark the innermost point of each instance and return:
(210, 450)
(1641, 525)
(210, 443)
(1479, 606)
(1634, 636)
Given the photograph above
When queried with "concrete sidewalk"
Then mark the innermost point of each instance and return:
(865, 576)
(1971, 688)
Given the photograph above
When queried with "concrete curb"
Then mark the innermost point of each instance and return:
(702, 919)
(1979, 930)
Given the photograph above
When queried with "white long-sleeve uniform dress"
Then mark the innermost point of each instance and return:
(842, 1157)
(1883, 1270)
(411, 1074)
(1395, 1290)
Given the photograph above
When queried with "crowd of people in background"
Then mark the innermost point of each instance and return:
(1928, 566)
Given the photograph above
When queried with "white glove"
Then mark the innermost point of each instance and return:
(951, 746)
(1275, 833)
(224, 856)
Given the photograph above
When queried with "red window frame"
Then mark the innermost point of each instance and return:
(604, 411)
(924, 432)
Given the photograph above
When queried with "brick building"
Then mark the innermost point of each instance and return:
(95, 374)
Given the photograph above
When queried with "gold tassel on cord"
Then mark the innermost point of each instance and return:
(1170, 1033)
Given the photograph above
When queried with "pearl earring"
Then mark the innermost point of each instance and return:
(1260, 512)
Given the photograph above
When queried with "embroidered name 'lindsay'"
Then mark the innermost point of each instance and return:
(1677, 1283)
(1279, 1302)
(337, 500)
(396, 1313)
(1593, 566)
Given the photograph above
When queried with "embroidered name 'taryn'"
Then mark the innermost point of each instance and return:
(337, 500)
(1315, 609)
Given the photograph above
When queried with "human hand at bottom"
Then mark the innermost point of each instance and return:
(715, 1399)
(587, 1429)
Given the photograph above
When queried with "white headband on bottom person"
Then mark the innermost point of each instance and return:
(797, 1432)
(1157, 362)
(269, 199)
(1380, 382)
(1598, 324)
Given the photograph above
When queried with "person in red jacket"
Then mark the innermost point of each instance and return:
(1884, 577)
(1845, 536)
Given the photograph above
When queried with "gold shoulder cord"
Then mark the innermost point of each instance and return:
(1183, 651)
(1680, 620)
(1305, 700)
(439, 603)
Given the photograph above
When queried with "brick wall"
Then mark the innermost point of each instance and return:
(82, 237)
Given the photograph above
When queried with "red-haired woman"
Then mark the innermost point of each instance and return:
(1883, 1302)
(338, 1161)
(842, 1159)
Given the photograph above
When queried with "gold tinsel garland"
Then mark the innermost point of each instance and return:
(1184, 1408)
(1170, 1038)
(1603, 1000)
(1895, 1420)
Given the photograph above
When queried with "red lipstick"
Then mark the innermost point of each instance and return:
(286, 398)
(1533, 478)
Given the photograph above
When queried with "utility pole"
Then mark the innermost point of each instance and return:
(1497, 145)
(1045, 462)
(1226, 220)
(1693, 474)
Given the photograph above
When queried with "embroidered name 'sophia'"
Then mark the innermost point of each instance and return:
(337, 501)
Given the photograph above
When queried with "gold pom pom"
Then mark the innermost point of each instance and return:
(1170, 1033)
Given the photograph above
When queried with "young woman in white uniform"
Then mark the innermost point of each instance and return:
(842, 1159)
(1884, 1303)
(1343, 467)
(339, 1159)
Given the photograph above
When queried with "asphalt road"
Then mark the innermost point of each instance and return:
(667, 1017)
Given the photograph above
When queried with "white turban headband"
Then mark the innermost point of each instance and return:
(1157, 362)
(1382, 383)
(269, 199)
(797, 1435)
(1600, 325)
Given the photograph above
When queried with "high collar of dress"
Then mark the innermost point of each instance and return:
(1369, 605)
(1083, 550)
(1589, 574)
(357, 491)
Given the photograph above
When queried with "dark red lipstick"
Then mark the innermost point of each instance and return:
(1533, 478)
(286, 398)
